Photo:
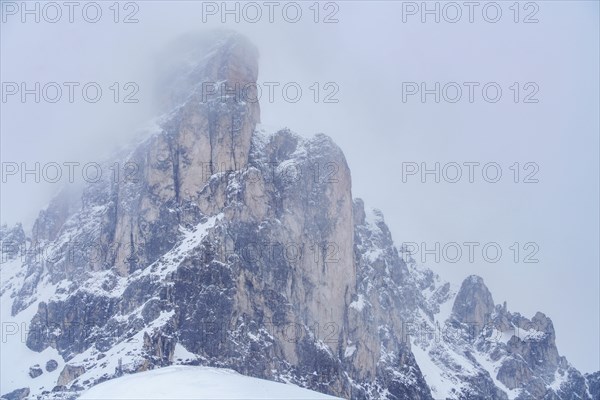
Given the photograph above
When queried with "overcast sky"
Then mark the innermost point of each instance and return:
(374, 59)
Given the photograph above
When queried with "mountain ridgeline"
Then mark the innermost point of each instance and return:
(241, 247)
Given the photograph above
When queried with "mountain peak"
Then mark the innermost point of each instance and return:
(240, 247)
(208, 64)
(474, 303)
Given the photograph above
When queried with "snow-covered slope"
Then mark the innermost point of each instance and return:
(185, 382)
(469, 347)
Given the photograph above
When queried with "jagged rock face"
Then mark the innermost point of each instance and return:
(385, 301)
(190, 61)
(230, 246)
(18, 394)
(160, 181)
(69, 373)
(51, 220)
(530, 357)
(13, 240)
(539, 350)
(279, 256)
(266, 287)
(473, 304)
(478, 350)
(208, 134)
(74, 318)
(593, 382)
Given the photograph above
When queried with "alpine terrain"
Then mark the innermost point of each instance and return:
(225, 244)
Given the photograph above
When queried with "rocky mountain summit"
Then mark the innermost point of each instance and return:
(227, 244)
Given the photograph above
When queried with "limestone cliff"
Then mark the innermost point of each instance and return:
(230, 245)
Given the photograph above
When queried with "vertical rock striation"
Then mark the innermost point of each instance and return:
(220, 243)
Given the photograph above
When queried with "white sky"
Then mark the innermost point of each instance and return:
(368, 54)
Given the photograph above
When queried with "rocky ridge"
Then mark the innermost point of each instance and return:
(232, 245)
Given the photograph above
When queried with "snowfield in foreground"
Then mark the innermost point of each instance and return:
(185, 382)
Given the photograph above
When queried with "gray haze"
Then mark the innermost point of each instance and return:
(368, 54)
